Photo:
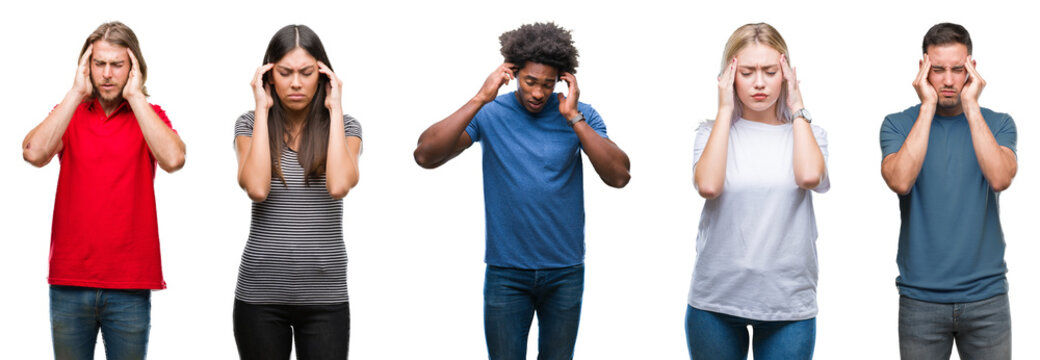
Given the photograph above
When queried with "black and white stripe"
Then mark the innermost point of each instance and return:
(295, 254)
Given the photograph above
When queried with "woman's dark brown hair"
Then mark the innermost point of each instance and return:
(314, 135)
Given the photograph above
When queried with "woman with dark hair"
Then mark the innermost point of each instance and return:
(297, 159)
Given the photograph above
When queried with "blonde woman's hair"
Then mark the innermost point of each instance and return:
(747, 35)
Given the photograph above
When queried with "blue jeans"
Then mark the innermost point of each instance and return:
(513, 296)
(982, 329)
(77, 313)
(715, 336)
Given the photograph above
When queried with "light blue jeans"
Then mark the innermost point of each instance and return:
(982, 329)
(715, 336)
(77, 313)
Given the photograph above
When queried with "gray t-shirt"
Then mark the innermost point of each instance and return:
(295, 254)
(756, 244)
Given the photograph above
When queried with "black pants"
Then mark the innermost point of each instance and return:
(267, 331)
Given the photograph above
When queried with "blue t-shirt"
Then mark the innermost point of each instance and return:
(951, 247)
(534, 204)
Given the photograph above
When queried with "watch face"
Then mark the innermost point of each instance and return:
(578, 118)
(804, 113)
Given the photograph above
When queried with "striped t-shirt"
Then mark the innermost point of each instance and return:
(295, 254)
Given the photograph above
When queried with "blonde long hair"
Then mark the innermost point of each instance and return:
(119, 34)
(750, 34)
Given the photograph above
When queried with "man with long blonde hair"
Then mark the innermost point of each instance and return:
(104, 258)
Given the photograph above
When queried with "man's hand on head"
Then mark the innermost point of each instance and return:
(569, 105)
(134, 88)
(924, 89)
(973, 88)
(82, 85)
(498, 78)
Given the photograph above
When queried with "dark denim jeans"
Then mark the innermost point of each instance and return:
(267, 331)
(716, 336)
(77, 313)
(982, 329)
(513, 296)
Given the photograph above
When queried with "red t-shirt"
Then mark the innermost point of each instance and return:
(105, 233)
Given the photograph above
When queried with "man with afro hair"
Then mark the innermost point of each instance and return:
(534, 203)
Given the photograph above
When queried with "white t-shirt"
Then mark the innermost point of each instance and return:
(756, 244)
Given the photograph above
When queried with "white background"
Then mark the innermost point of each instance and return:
(415, 237)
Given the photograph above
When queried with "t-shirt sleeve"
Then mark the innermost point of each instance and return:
(244, 124)
(1007, 134)
(821, 140)
(892, 135)
(351, 126)
(162, 116)
(595, 121)
(473, 128)
(701, 139)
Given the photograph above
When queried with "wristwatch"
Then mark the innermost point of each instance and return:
(804, 114)
(574, 120)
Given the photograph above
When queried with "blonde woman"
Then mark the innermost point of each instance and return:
(756, 166)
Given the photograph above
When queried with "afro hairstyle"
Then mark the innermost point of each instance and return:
(543, 43)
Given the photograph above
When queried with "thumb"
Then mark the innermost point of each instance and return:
(559, 96)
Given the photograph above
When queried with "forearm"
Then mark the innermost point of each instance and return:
(439, 142)
(998, 164)
(809, 166)
(44, 140)
(901, 168)
(610, 162)
(254, 173)
(709, 174)
(341, 170)
(166, 146)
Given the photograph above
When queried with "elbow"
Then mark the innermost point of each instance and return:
(35, 158)
(423, 159)
(899, 189)
(174, 164)
(622, 181)
(808, 182)
(1001, 185)
(619, 181)
(338, 192)
(709, 194)
(256, 189)
(708, 191)
(258, 194)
